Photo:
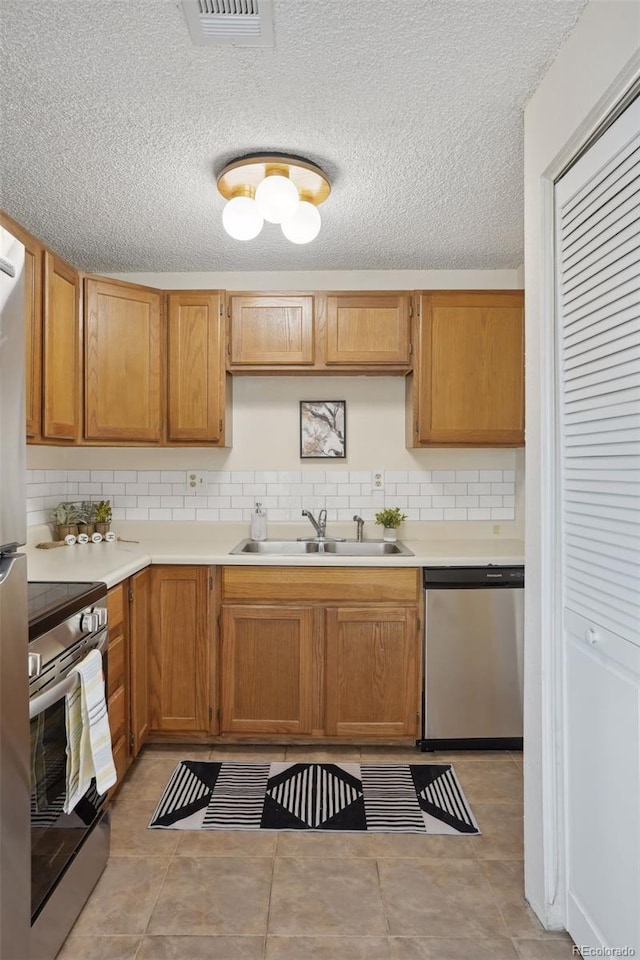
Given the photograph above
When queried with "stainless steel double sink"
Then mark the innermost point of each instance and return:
(336, 548)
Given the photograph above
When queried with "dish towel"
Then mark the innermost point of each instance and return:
(88, 735)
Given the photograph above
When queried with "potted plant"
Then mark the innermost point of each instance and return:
(86, 517)
(103, 516)
(390, 518)
(65, 517)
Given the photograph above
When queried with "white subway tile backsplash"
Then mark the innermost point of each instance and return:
(230, 495)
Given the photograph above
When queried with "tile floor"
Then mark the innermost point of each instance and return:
(174, 895)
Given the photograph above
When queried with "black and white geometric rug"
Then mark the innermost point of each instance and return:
(382, 798)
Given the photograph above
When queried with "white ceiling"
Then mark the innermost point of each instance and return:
(114, 125)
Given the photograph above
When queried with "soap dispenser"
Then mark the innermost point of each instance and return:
(259, 523)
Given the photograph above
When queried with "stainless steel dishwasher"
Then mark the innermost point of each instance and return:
(474, 629)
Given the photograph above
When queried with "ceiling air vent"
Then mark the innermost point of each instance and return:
(240, 23)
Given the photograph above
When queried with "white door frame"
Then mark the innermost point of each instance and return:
(553, 912)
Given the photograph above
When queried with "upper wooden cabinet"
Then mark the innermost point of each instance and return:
(124, 349)
(270, 330)
(196, 368)
(468, 381)
(61, 382)
(322, 332)
(367, 329)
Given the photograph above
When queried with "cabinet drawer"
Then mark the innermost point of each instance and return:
(322, 584)
(117, 715)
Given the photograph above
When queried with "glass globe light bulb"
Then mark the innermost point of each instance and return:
(242, 219)
(304, 225)
(277, 198)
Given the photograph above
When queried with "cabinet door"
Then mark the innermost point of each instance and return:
(266, 670)
(118, 679)
(139, 613)
(271, 331)
(368, 329)
(469, 386)
(61, 350)
(180, 649)
(196, 368)
(123, 362)
(372, 672)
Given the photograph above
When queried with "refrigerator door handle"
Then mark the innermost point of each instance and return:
(7, 267)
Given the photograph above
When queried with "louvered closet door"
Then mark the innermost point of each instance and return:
(598, 268)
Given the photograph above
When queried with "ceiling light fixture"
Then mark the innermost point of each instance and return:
(275, 187)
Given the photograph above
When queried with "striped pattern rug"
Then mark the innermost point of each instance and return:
(382, 798)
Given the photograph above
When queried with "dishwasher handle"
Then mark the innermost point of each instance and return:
(473, 578)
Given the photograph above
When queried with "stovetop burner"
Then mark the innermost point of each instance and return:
(52, 603)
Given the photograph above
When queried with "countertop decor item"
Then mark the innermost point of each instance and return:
(323, 429)
(103, 516)
(65, 516)
(421, 798)
(390, 518)
(275, 187)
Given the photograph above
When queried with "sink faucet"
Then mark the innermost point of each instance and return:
(359, 525)
(320, 525)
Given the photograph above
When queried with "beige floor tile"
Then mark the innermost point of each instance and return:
(226, 843)
(334, 897)
(322, 754)
(327, 948)
(213, 896)
(432, 898)
(303, 843)
(175, 751)
(507, 882)
(491, 781)
(413, 846)
(408, 754)
(123, 898)
(248, 753)
(130, 834)
(435, 948)
(99, 948)
(202, 948)
(545, 949)
(147, 779)
(454, 756)
(501, 826)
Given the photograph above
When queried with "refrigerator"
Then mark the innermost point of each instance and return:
(15, 840)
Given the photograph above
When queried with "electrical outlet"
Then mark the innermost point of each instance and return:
(378, 479)
(196, 483)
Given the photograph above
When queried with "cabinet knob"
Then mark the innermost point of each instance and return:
(592, 636)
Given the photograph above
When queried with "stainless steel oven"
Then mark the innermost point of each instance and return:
(68, 850)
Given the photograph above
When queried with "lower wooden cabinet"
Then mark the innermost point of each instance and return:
(320, 665)
(180, 649)
(266, 669)
(127, 674)
(372, 672)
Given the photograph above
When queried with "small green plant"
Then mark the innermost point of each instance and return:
(390, 517)
(65, 514)
(103, 511)
(86, 512)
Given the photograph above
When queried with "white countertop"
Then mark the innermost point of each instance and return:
(210, 543)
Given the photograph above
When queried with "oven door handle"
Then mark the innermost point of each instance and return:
(44, 700)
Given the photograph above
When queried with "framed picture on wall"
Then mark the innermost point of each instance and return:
(323, 429)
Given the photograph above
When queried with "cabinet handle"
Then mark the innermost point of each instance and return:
(592, 636)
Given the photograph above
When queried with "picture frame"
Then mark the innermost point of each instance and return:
(323, 429)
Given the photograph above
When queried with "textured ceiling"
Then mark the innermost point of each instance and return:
(114, 124)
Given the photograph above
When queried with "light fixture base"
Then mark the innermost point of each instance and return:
(250, 171)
